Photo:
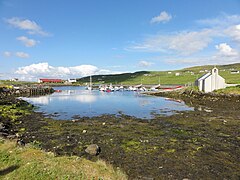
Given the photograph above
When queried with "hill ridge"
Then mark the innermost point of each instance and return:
(182, 76)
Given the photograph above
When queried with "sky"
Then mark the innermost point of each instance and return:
(76, 38)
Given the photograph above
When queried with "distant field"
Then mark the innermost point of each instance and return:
(187, 75)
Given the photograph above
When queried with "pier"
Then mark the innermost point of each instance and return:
(25, 90)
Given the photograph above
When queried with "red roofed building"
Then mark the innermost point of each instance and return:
(50, 81)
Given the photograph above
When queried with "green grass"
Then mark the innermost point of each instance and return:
(31, 163)
(15, 111)
(16, 83)
(187, 75)
(229, 90)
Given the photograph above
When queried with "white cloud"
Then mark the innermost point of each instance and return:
(184, 43)
(163, 17)
(233, 32)
(225, 54)
(41, 70)
(7, 54)
(202, 60)
(188, 42)
(224, 20)
(26, 41)
(22, 55)
(186, 60)
(145, 64)
(31, 26)
(226, 50)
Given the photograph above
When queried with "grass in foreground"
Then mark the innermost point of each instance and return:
(31, 163)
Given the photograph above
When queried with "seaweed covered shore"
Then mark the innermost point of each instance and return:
(199, 144)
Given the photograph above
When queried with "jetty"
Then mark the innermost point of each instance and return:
(32, 90)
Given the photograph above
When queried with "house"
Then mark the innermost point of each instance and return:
(177, 74)
(14, 79)
(50, 81)
(72, 80)
(210, 81)
(235, 72)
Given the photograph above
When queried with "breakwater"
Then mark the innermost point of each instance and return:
(25, 90)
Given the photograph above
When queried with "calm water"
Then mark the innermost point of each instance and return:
(76, 101)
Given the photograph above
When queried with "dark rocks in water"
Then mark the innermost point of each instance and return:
(93, 149)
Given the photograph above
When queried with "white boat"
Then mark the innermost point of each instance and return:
(102, 88)
(116, 88)
(142, 89)
(89, 87)
(130, 88)
(155, 88)
(121, 87)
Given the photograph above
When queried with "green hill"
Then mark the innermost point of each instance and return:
(186, 75)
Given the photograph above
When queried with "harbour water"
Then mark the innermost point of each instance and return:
(74, 101)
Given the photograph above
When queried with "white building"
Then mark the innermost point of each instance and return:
(72, 80)
(210, 81)
(14, 79)
(235, 72)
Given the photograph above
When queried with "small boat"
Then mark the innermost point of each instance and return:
(58, 90)
(121, 88)
(116, 88)
(89, 87)
(108, 90)
(102, 89)
(142, 89)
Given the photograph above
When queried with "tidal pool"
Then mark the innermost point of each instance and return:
(75, 101)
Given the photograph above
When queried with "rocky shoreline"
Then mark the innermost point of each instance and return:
(200, 144)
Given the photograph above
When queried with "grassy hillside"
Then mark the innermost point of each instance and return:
(31, 163)
(187, 75)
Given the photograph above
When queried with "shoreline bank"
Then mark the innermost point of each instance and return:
(195, 145)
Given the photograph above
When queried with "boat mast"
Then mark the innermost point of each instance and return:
(90, 81)
(159, 81)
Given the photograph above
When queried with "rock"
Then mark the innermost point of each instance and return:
(3, 134)
(2, 127)
(78, 158)
(93, 149)
(11, 136)
(84, 131)
(20, 142)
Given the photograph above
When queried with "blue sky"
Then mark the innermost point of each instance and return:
(76, 38)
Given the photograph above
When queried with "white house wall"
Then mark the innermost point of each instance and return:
(207, 84)
(221, 83)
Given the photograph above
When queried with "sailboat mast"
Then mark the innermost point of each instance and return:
(90, 81)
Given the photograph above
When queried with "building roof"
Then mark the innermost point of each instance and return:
(204, 76)
(51, 80)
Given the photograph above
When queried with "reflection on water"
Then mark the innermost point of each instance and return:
(72, 101)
